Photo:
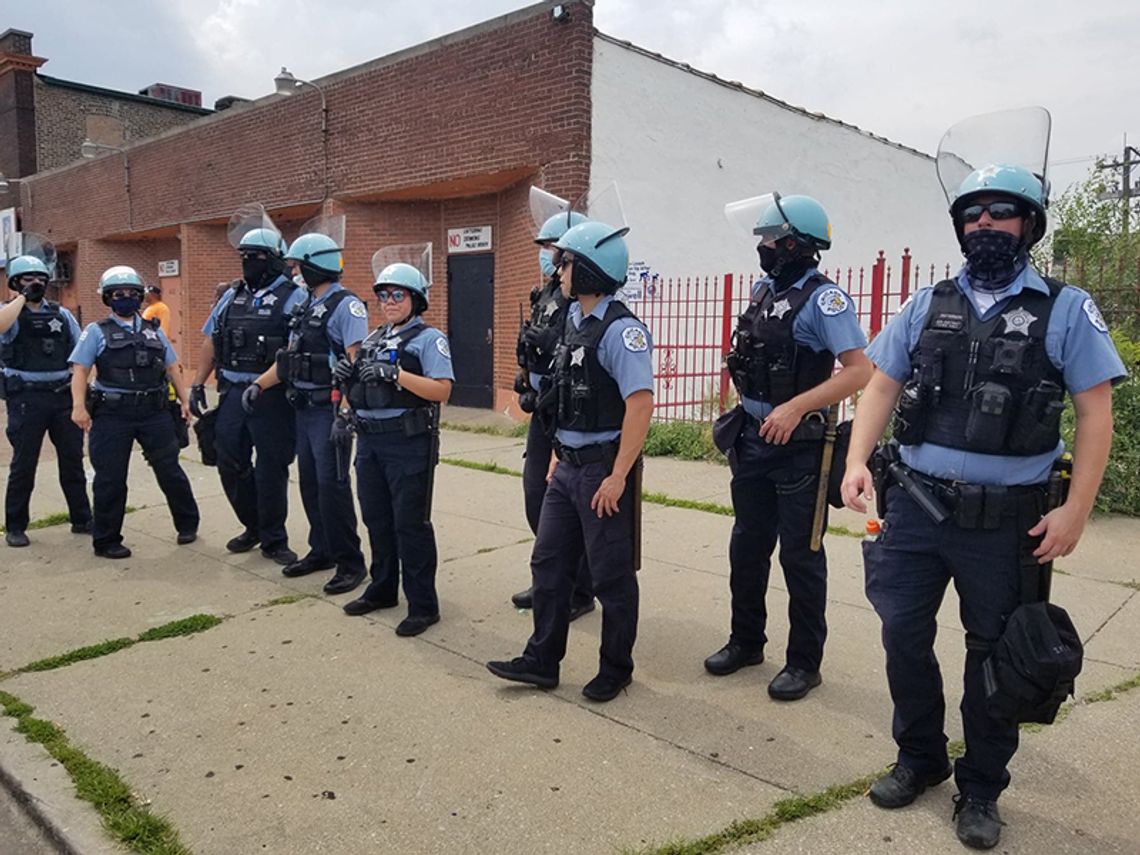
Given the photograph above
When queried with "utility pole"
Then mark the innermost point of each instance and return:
(1127, 191)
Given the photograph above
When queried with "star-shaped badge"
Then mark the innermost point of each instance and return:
(779, 309)
(149, 334)
(269, 299)
(1018, 321)
(577, 355)
(55, 325)
(550, 309)
(319, 311)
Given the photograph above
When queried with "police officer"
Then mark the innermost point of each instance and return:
(782, 363)
(599, 403)
(329, 324)
(536, 345)
(400, 377)
(978, 366)
(133, 362)
(244, 331)
(36, 336)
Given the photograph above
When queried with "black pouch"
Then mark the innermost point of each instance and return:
(284, 361)
(727, 428)
(991, 410)
(204, 429)
(969, 503)
(181, 429)
(3, 386)
(838, 464)
(416, 422)
(910, 414)
(1036, 428)
(781, 382)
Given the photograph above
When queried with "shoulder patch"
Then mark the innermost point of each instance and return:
(1094, 315)
(443, 347)
(832, 301)
(634, 339)
(357, 309)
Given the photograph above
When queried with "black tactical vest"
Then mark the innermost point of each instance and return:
(134, 360)
(984, 386)
(307, 356)
(548, 309)
(382, 346)
(247, 336)
(43, 343)
(588, 398)
(765, 362)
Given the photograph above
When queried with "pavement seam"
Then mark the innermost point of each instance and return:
(32, 806)
(1105, 623)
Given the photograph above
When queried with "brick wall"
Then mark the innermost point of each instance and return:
(448, 134)
(65, 117)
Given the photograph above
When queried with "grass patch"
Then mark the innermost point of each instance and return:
(129, 822)
(689, 504)
(516, 431)
(58, 518)
(174, 629)
(684, 440)
(480, 466)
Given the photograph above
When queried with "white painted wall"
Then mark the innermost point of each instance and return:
(680, 146)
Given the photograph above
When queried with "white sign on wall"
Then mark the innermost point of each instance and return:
(168, 268)
(470, 239)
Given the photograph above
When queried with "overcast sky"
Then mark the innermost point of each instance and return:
(903, 69)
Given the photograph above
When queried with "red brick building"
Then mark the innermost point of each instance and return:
(446, 135)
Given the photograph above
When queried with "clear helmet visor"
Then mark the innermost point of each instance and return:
(603, 204)
(1016, 137)
(330, 225)
(244, 220)
(34, 245)
(744, 215)
(545, 205)
(418, 255)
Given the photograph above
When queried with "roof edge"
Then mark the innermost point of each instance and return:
(737, 86)
(123, 96)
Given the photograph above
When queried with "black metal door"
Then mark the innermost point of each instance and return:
(471, 305)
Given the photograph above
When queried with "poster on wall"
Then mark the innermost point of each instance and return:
(8, 236)
(470, 239)
(640, 282)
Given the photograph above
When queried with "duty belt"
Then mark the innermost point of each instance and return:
(974, 506)
(14, 385)
(302, 399)
(128, 398)
(600, 452)
(411, 423)
(810, 429)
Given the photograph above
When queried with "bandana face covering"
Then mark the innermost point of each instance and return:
(993, 258)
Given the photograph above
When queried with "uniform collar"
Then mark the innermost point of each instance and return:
(414, 321)
(1027, 279)
(336, 286)
(769, 283)
(273, 286)
(134, 324)
(599, 310)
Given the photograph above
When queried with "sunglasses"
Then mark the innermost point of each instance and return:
(396, 295)
(250, 254)
(123, 293)
(563, 261)
(997, 210)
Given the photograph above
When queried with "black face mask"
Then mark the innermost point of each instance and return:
(34, 293)
(254, 271)
(126, 307)
(314, 278)
(783, 266)
(993, 258)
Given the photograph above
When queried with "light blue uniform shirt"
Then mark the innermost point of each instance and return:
(347, 326)
(297, 296)
(91, 343)
(40, 376)
(434, 353)
(1076, 342)
(628, 359)
(827, 321)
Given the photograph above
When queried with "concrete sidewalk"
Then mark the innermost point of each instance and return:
(293, 728)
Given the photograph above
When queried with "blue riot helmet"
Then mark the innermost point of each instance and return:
(558, 225)
(119, 277)
(23, 265)
(406, 266)
(262, 257)
(318, 256)
(798, 217)
(601, 257)
(1003, 179)
(268, 240)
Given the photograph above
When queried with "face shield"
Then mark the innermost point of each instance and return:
(1014, 137)
(246, 219)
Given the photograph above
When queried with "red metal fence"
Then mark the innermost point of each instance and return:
(692, 320)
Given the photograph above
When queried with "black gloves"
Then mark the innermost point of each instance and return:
(542, 339)
(197, 402)
(379, 372)
(342, 371)
(249, 397)
(341, 433)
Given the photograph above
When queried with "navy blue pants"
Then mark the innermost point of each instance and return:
(257, 489)
(536, 463)
(773, 497)
(392, 475)
(908, 569)
(328, 503)
(568, 529)
(113, 433)
(31, 415)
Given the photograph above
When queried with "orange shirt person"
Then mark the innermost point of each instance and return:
(155, 308)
